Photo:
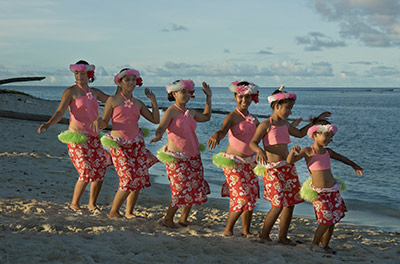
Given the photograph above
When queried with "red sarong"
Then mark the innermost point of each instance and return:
(188, 186)
(243, 187)
(90, 159)
(132, 161)
(329, 208)
(282, 186)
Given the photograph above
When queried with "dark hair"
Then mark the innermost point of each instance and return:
(171, 97)
(244, 83)
(317, 121)
(273, 104)
(90, 74)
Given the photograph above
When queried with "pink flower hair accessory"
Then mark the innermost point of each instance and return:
(122, 74)
(281, 96)
(321, 129)
(81, 67)
(249, 88)
(180, 85)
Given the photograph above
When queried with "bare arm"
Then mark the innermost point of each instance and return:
(108, 108)
(102, 97)
(260, 133)
(206, 115)
(214, 140)
(66, 99)
(165, 121)
(337, 156)
(154, 115)
(303, 131)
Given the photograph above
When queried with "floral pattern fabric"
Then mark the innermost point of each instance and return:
(90, 159)
(188, 186)
(282, 186)
(329, 208)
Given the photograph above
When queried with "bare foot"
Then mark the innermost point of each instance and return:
(329, 250)
(247, 234)
(129, 215)
(287, 242)
(115, 215)
(315, 248)
(185, 224)
(168, 223)
(93, 207)
(228, 233)
(264, 239)
(75, 207)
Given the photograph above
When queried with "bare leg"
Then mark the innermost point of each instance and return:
(230, 222)
(246, 222)
(286, 218)
(184, 216)
(78, 191)
(94, 194)
(321, 229)
(326, 238)
(269, 222)
(119, 199)
(130, 204)
(169, 217)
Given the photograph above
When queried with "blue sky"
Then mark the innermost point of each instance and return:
(299, 43)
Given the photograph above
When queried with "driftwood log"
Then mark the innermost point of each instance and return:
(21, 79)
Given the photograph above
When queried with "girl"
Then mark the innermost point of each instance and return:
(281, 183)
(238, 161)
(84, 147)
(130, 157)
(322, 188)
(181, 154)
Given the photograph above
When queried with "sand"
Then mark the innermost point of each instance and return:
(37, 180)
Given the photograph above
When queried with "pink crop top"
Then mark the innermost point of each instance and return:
(319, 162)
(84, 111)
(125, 120)
(276, 135)
(241, 134)
(181, 131)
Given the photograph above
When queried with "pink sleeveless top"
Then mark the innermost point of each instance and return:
(241, 134)
(84, 111)
(181, 131)
(125, 119)
(276, 135)
(319, 162)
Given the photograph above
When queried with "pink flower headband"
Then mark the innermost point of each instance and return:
(81, 67)
(281, 96)
(251, 88)
(119, 76)
(180, 85)
(321, 129)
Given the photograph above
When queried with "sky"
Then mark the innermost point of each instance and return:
(298, 43)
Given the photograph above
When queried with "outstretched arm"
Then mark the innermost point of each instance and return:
(303, 131)
(103, 123)
(337, 156)
(165, 121)
(214, 140)
(154, 115)
(206, 115)
(66, 99)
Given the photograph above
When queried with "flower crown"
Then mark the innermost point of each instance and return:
(250, 88)
(122, 74)
(81, 67)
(281, 96)
(321, 129)
(180, 85)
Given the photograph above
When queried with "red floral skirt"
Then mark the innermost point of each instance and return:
(329, 208)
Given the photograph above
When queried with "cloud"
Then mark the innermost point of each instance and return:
(227, 51)
(362, 62)
(383, 71)
(174, 27)
(316, 41)
(376, 23)
(286, 68)
(264, 52)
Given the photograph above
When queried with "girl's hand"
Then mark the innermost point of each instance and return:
(261, 157)
(206, 89)
(324, 115)
(96, 124)
(213, 141)
(149, 94)
(156, 139)
(358, 170)
(296, 149)
(44, 127)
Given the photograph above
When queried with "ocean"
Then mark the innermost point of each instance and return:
(369, 129)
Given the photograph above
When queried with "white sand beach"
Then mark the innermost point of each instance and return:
(36, 225)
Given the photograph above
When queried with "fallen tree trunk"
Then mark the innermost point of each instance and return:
(21, 79)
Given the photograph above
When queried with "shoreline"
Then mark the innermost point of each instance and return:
(38, 179)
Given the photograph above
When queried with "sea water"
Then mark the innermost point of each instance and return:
(369, 130)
